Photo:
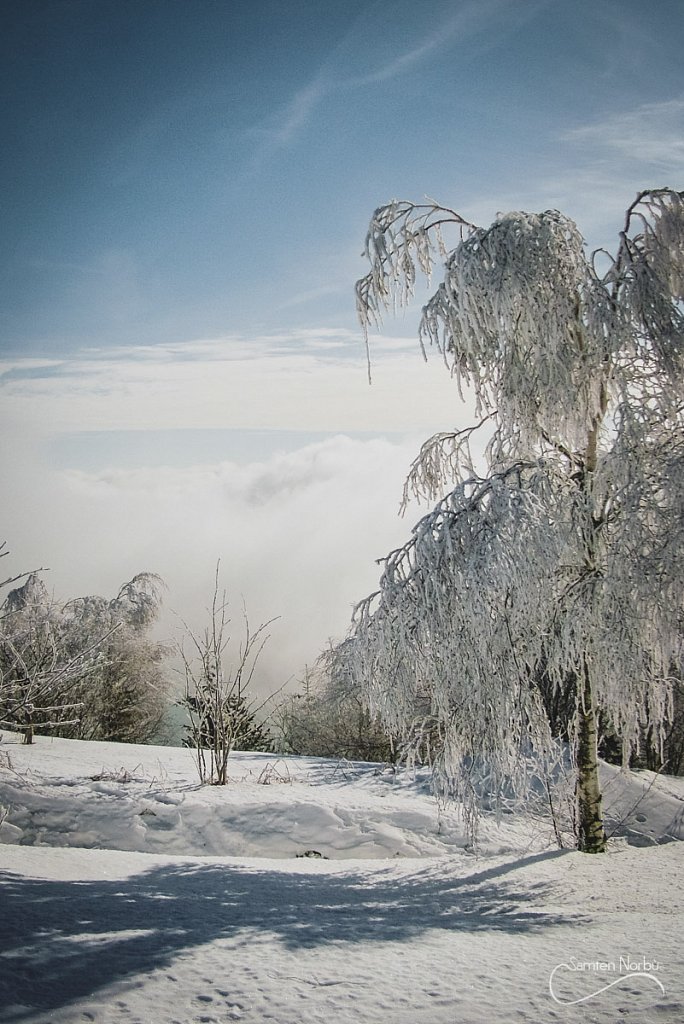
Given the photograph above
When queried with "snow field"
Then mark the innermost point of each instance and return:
(130, 895)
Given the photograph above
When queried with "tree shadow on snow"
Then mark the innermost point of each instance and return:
(64, 940)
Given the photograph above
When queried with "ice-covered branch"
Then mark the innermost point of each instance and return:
(554, 580)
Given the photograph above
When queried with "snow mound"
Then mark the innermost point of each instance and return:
(70, 793)
(147, 799)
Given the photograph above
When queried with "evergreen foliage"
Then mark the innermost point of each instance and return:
(320, 721)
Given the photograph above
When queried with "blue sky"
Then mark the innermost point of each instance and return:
(185, 188)
(175, 169)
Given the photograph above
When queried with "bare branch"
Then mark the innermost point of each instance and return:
(220, 714)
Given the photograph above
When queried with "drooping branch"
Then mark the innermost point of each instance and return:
(444, 459)
(402, 239)
(556, 578)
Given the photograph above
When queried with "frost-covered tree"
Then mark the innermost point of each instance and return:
(85, 669)
(125, 699)
(39, 679)
(561, 561)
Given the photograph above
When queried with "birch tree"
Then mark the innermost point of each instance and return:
(561, 559)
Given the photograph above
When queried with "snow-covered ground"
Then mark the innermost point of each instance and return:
(129, 894)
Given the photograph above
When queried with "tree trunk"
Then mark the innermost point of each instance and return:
(591, 835)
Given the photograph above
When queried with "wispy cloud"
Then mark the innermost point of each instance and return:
(297, 113)
(469, 20)
(407, 61)
(301, 380)
(311, 294)
(650, 136)
(595, 170)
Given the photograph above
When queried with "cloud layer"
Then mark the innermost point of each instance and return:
(297, 535)
(297, 525)
(303, 380)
